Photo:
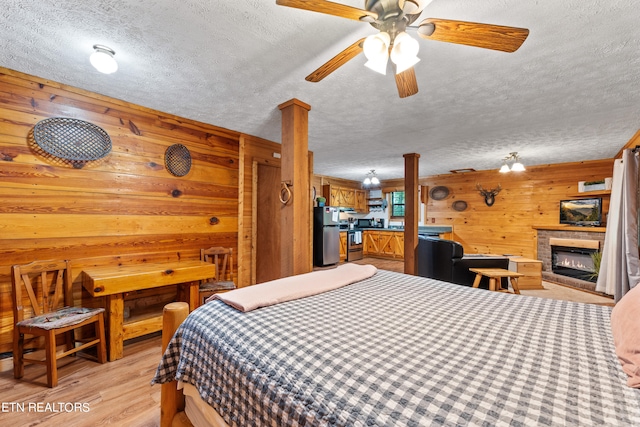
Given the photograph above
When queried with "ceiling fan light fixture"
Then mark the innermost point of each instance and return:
(376, 45)
(367, 181)
(102, 59)
(404, 52)
(505, 168)
(377, 65)
(376, 49)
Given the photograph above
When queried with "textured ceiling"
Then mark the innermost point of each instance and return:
(570, 93)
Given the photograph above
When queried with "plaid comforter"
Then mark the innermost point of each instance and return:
(400, 350)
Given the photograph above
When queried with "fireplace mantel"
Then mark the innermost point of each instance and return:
(570, 228)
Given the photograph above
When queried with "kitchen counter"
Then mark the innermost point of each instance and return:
(428, 230)
(388, 242)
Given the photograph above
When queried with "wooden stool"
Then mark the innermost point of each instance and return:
(496, 273)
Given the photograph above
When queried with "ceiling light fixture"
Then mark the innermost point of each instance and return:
(102, 59)
(376, 49)
(516, 165)
(404, 51)
(371, 179)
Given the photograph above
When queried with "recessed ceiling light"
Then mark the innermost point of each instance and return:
(102, 59)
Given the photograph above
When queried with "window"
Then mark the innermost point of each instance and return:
(397, 204)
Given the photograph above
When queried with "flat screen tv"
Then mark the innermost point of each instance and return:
(586, 212)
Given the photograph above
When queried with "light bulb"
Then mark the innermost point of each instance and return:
(375, 180)
(505, 168)
(367, 181)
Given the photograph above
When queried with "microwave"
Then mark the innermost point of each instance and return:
(364, 223)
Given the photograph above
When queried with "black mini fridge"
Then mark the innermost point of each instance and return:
(326, 236)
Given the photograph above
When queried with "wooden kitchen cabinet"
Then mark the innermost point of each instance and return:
(361, 201)
(370, 244)
(345, 197)
(385, 244)
(343, 245)
(399, 238)
(332, 195)
(339, 196)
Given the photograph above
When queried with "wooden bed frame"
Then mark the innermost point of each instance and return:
(171, 399)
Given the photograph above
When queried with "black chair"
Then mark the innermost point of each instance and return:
(445, 260)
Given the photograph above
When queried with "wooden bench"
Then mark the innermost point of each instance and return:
(494, 274)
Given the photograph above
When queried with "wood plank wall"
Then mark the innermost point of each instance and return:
(526, 199)
(124, 208)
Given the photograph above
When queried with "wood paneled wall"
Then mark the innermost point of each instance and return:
(124, 208)
(526, 199)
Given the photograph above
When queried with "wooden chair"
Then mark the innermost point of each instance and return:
(49, 313)
(223, 260)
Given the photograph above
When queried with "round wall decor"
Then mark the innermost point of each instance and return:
(439, 193)
(72, 139)
(459, 205)
(177, 159)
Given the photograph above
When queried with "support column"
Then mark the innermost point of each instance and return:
(411, 212)
(296, 247)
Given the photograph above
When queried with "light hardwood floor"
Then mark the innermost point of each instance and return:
(117, 393)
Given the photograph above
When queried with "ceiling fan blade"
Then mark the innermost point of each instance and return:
(336, 62)
(330, 8)
(487, 36)
(407, 83)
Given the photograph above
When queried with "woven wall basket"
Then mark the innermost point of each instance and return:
(72, 139)
(177, 159)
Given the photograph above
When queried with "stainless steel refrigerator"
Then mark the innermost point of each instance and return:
(326, 236)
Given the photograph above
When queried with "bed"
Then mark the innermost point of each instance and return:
(401, 350)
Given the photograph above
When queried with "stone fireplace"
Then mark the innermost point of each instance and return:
(565, 253)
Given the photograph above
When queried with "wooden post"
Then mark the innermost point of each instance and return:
(296, 247)
(171, 399)
(411, 212)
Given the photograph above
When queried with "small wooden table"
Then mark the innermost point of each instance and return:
(496, 273)
(113, 282)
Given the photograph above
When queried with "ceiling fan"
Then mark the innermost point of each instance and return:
(392, 18)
